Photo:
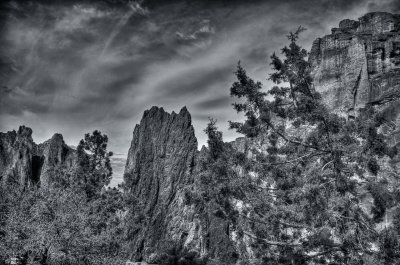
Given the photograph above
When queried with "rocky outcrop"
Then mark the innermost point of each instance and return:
(16, 151)
(26, 163)
(160, 163)
(53, 154)
(359, 63)
(163, 174)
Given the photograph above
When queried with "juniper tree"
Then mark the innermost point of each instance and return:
(95, 165)
(306, 201)
(211, 195)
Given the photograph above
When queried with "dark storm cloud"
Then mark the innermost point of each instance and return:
(76, 66)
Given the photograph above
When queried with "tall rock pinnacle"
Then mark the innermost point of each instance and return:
(160, 163)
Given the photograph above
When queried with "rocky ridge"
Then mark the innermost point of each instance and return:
(26, 163)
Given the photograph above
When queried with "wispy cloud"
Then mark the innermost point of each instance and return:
(76, 66)
(134, 8)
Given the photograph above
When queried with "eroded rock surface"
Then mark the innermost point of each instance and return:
(163, 167)
(24, 162)
(359, 63)
(16, 151)
(160, 163)
(54, 153)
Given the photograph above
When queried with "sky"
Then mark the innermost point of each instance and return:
(71, 67)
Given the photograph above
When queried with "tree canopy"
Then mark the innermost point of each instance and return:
(310, 184)
(73, 220)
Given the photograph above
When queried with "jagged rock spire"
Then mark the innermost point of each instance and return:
(159, 164)
(26, 163)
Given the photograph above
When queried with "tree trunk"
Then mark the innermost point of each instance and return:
(44, 258)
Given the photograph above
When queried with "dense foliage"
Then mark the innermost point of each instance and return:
(74, 220)
(313, 171)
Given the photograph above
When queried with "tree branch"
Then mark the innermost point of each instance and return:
(293, 141)
(273, 243)
(290, 161)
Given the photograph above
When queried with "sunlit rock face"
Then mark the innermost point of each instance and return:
(359, 63)
(25, 163)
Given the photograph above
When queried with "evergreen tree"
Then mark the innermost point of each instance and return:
(95, 165)
(211, 196)
(305, 201)
(73, 220)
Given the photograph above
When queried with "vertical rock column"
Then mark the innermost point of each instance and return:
(159, 164)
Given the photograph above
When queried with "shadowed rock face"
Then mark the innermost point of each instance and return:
(163, 163)
(16, 151)
(26, 163)
(359, 63)
(160, 164)
(55, 153)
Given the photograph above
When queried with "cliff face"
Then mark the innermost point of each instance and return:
(359, 63)
(16, 151)
(26, 163)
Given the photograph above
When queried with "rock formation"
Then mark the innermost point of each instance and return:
(16, 151)
(54, 153)
(162, 165)
(359, 63)
(26, 163)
